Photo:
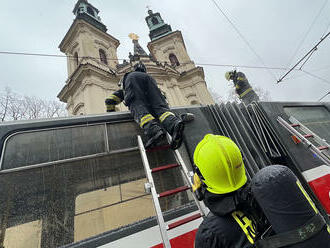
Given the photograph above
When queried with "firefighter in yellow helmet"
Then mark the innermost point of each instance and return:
(242, 87)
(240, 213)
(219, 179)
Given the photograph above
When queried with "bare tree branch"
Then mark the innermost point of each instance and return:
(16, 107)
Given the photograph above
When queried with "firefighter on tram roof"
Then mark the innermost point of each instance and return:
(242, 87)
(148, 107)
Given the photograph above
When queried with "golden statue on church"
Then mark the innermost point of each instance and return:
(133, 36)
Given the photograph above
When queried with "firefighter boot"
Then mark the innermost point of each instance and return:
(177, 134)
(154, 133)
(174, 126)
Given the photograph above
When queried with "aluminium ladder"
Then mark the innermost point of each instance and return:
(150, 188)
(299, 137)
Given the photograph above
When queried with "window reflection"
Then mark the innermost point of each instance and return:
(24, 235)
(110, 208)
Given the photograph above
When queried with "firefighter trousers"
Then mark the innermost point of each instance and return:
(147, 104)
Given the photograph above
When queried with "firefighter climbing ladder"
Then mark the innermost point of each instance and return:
(150, 186)
(303, 135)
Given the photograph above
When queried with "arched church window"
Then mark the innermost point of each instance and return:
(75, 56)
(90, 11)
(174, 60)
(154, 21)
(80, 10)
(103, 56)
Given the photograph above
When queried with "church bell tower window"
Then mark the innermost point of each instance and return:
(174, 60)
(90, 11)
(154, 21)
(75, 56)
(103, 56)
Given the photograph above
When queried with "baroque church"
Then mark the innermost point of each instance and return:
(94, 70)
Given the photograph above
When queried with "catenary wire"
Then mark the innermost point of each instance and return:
(243, 38)
(308, 31)
(310, 51)
(200, 64)
(326, 30)
(323, 96)
(315, 76)
(309, 56)
(303, 74)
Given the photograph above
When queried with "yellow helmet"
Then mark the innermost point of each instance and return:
(220, 163)
(228, 75)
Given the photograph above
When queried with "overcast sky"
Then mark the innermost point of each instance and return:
(274, 30)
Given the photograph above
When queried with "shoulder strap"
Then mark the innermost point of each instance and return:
(246, 224)
(302, 233)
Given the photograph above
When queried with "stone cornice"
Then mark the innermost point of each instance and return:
(75, 80)
(76, 26)
(197, 70)
(171, 36)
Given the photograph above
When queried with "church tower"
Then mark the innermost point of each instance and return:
(168, 47)
(94, 70)
(91, 61)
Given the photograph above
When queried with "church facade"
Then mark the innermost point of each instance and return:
(94, 70)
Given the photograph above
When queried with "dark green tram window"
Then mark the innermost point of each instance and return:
(30, 148)
(315, 118)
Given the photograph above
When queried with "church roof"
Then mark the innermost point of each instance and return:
(138, 50)
(83, 1)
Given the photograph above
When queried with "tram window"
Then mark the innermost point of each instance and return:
(123, 135)
(316, 118)
(308, 113)
(31, 148)
(75, 200)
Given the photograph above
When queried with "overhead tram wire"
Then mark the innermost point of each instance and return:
(310, 55)
(48, 55)
(243, 38)
(326, 29)
(323, 96)
(243, 66)
(306, 55)
(315, 76)
(200, 64)
(303, 74)
(308, 31)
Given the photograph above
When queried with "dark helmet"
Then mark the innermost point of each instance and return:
(139, 67)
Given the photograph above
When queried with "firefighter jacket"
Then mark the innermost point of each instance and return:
(220, 228)
(242, 85)
(114, 99)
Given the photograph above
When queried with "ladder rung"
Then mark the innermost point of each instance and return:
(173, 191)
(183, 221)
(308, 135)
(165, 167)
(295, 125)
(323, 147)
(158, 148)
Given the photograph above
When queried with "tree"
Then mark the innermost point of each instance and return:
(264, 95)
(216, 96)
(17, 107)
(231, 95)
